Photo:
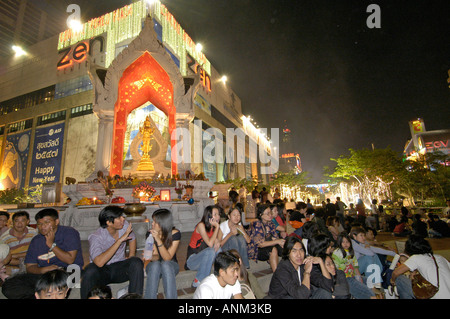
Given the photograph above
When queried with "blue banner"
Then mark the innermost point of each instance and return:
(47, 155)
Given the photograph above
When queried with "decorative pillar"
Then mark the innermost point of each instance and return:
(104, 142)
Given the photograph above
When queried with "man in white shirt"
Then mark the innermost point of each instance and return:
(223, 284)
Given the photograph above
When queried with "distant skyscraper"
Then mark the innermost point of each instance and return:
(289, 156)
(26, 22)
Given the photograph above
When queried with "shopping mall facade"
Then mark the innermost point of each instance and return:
(76, 103)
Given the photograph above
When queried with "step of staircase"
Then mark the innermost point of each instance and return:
(184, 280)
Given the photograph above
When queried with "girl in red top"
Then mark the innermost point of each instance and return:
(204, 244)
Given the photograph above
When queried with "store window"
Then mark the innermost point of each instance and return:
(20, 126)
(73, 86)
(51, 118)
(81, 110)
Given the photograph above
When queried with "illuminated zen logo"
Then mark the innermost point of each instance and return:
(77, 53)
(195, 67)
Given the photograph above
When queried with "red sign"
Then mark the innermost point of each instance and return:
(436, 144)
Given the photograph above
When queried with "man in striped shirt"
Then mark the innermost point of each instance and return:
(18, 238)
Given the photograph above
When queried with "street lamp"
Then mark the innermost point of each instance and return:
(224, 79)
(18, 51)
(75, 25)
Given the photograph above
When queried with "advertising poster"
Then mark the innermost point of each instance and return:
(47, 155)
(15, 160)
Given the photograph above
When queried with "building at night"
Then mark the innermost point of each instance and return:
(289, 156)
(27, 22)
(423, 141)
(76, 103)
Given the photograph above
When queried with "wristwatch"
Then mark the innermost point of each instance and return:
(53, 246)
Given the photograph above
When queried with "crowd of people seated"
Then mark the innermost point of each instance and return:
(313, 253)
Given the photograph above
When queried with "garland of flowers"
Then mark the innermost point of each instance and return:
(143, 189)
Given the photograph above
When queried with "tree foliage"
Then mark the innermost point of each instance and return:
(374, 171)
(381, 173)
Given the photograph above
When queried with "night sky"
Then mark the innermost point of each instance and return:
(316, 64)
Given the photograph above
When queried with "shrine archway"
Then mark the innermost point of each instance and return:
(143, 81)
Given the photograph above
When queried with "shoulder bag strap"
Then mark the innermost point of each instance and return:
(437, 269)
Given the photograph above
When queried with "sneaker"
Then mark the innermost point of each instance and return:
(195, 283)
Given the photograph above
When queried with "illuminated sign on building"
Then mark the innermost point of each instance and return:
(417, 126)
(78, 54)
(205, 79)
(437, 145)
(126, 23)
(289, 155)
(117, 26)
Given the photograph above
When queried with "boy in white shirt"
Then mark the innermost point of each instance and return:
(224, 283)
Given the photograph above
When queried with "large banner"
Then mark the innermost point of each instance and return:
(47, 155)
(15, 160)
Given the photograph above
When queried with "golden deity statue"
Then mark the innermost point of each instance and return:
(146, 130)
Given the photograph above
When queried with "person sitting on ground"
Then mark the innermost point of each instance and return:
(341, 289)
(18, 239)
(224, 283)
(291, 280)
(422, 259)
(319, 219)
(265, 245)
(52, 285)
(233, 198)
(278, 218)
(419, 227)
(402, 229)
(5, 257)
(321, 281)
(371, 239)
(297, 222)
(4, 218)
(204, 244)
(100, 292)
(333, 224)
(55, 246)
(234, 235)
(368, 256)
(108, 262)
(391, 223)
(297, 218)
(345, 260)
(310, 229)
(249, 283)
(437, 227)
(164, 264)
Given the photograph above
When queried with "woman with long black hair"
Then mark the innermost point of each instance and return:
(164, 264)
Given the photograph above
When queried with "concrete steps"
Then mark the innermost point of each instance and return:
(184, 279)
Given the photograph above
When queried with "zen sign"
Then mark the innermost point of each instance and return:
(77, 53)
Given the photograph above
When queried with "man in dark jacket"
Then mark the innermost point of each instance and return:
(291, 279)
